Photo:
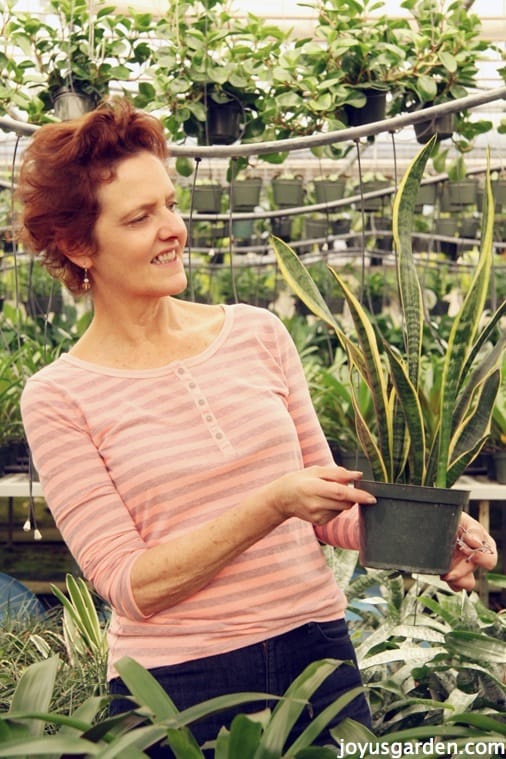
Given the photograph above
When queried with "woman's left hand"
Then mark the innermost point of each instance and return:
(474, 548)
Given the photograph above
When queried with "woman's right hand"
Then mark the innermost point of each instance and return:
(317, 494)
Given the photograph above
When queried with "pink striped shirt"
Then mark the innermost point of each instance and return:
(131, 458)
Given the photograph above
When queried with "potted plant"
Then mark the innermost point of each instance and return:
(287, 191)
(207, 72)
(442, 63)
(360, 54)
(207, 196)
(316, 226)
(245, 193)
(329, 188)
(408, 455)
(67, 60)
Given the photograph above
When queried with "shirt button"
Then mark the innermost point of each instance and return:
(192, 385)
(209, 418)
(219, 436)
(180, 370)
(201, 402)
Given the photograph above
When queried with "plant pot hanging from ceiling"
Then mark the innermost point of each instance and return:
(69, 104)
(245, 194)
(373, 110)
(328, 190)
(223, 122)
(441, 126)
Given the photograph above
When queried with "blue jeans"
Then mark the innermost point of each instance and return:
(267, 667)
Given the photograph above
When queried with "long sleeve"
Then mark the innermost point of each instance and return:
(130, 459)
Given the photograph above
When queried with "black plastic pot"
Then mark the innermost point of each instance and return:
(410, 527)
(373, 110)
(442, 126)
(224, 122)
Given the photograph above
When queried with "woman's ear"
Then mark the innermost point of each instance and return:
(79, 256)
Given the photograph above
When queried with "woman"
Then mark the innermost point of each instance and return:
(176, 442)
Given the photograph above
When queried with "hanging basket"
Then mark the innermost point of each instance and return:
(207, 198)
(281, 227)
(224, 122)
(245, 194)
(410, 528)
(463, 192)
(441, 126)
(288, 192)
(328, 190)
(316, 227)
(373, 110)
(71, 105)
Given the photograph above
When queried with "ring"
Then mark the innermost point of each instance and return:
(466, 548)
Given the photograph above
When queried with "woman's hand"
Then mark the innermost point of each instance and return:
(317, 494)
(474, 547)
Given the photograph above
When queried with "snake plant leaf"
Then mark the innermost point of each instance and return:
(410, 291)
(412, 417)
(486, 336)
(369, 363)
(368, 442)
(461, 341)
(474, 430)
(477, 373)
(365, 356)
(301, 282)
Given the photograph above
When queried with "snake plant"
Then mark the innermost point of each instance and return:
(406, 447)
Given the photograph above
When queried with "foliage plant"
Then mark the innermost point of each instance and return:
(205, 54)
(432, 662)
(444, 53)
(76, 46)
(333, 398)
(438, 652)
(407, 448)
(497, 440)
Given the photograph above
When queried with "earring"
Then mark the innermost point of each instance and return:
(86, 281)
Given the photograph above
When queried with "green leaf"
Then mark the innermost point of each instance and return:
(288, 710)
(448, 60)
(477, 646)
(52, 745)
(34, 691)
(317, 725)
(245, 735)
(145, 689)
(301, 282)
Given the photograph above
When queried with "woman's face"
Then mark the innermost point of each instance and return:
(140, 237)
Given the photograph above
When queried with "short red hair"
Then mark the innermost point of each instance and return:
(61, 170)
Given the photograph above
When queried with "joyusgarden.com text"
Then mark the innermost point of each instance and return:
(432, 747)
